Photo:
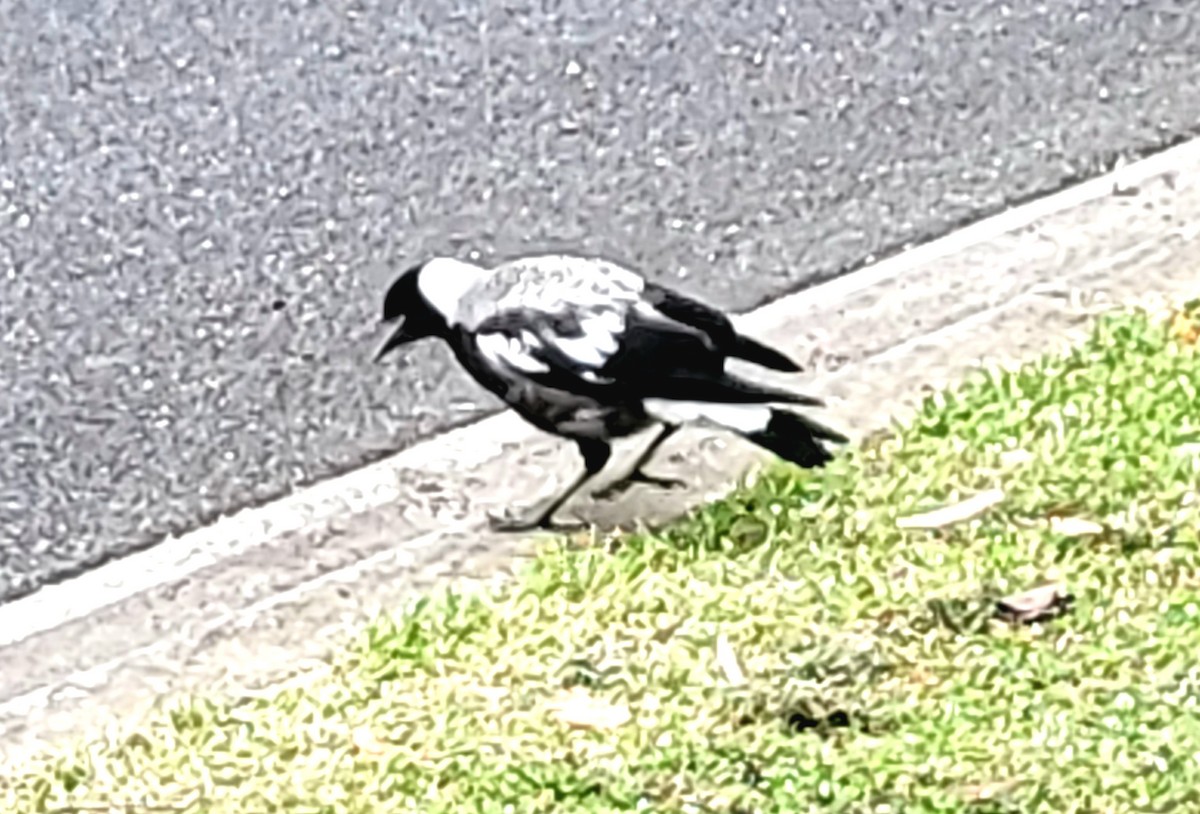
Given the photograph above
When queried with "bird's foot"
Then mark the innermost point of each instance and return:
(531, 520)
(621, 485)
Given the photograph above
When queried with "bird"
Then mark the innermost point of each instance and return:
(589, 350)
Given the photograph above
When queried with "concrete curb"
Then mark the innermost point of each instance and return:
(265, 594)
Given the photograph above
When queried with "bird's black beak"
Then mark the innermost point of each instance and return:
(400, 336)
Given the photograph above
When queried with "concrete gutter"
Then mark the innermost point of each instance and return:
(262, 596)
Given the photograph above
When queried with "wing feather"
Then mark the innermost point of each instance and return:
(509, 352)
(593, 327)
(718, 326)
(563, 350)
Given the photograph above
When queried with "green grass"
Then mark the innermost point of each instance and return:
(876, 676)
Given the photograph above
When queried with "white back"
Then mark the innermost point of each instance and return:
(444, 281)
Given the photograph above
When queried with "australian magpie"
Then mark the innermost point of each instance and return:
(591, 351)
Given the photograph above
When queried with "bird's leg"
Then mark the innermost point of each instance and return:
(636, 475)
(595, 456)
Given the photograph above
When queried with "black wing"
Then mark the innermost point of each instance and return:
(717, 326)
(618, 354)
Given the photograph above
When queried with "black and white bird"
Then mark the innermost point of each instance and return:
(587, 350)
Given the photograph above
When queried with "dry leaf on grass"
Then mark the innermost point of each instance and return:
(367, 742)
(1013, 458)
(728, 662)
(1185, 328)
(910, 679)
(1036, 604)
(1075, 526)
(579, 709)
(982, 792)
(1188, 449)
(960, 512)
(665, 627)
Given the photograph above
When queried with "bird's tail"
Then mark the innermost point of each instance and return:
(796, 438)
(752, 351)
(791, 436)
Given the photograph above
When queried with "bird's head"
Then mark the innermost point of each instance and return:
(423, 300)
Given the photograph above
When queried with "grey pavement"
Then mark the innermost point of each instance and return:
(199, 201)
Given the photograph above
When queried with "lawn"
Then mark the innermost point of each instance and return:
(859, 639)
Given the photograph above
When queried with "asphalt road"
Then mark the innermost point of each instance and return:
(200, 201)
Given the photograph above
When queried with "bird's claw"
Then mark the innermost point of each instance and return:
(619, 487)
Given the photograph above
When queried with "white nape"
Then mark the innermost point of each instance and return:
(443, 281)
